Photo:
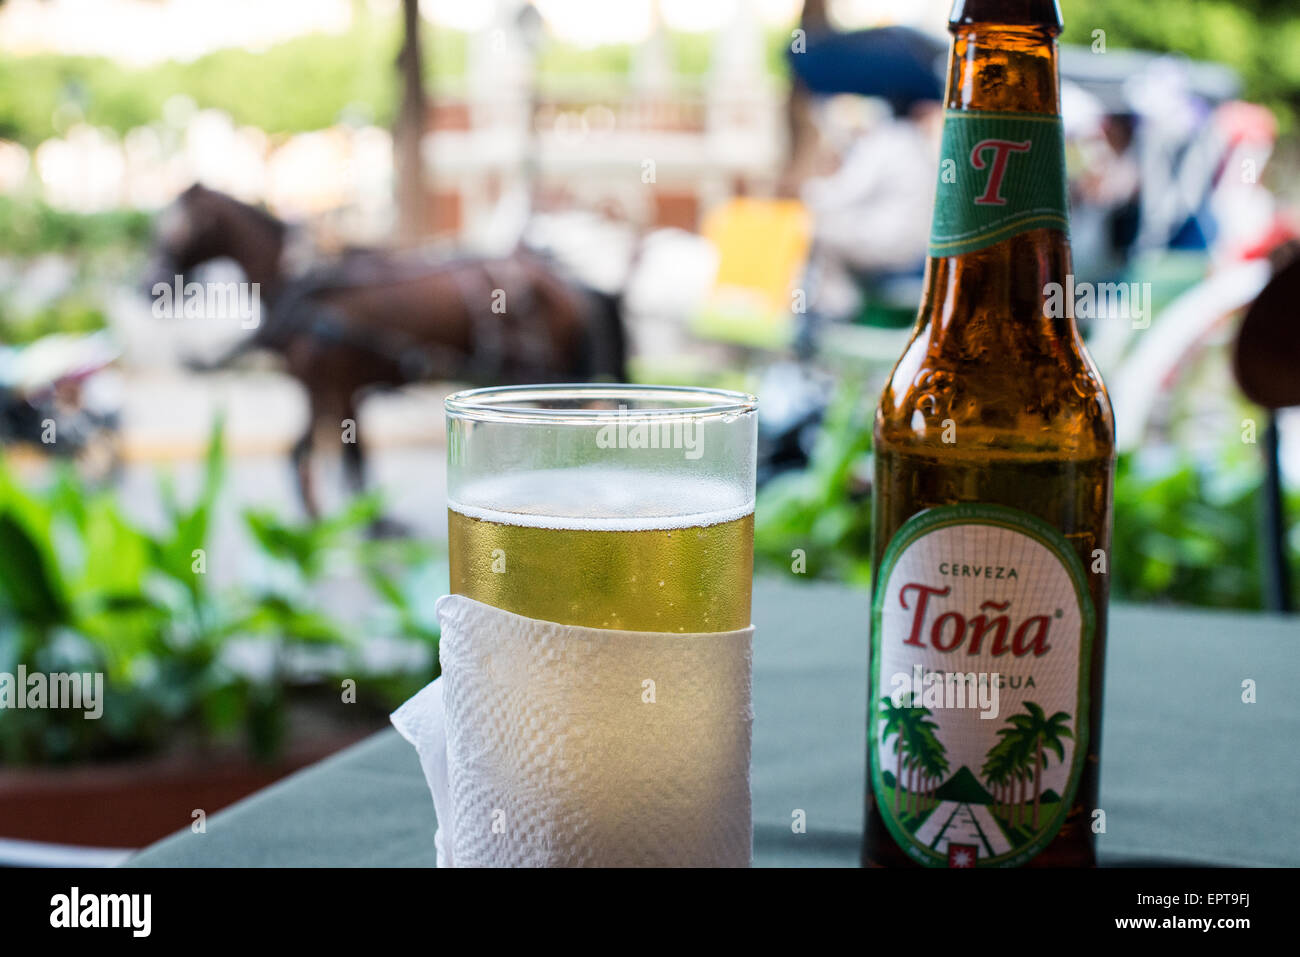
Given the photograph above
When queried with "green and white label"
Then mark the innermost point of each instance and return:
(999, 174)
(982, 628)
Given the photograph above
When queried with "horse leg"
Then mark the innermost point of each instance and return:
(354, 469)
(301, 456)
(354, 453)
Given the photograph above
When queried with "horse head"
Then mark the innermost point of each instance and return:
(203, 224)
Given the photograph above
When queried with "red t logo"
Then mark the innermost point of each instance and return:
(1002, 150)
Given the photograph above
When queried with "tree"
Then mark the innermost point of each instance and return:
(917, 750)
(1042, 732)
(934, 760)
(409, 129)
(1017, 747)
(1025, 739)
(997, 772)
(892, 722)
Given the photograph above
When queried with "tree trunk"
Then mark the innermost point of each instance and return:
(801, 127)
(1038, 778)
(409, 131)
(898, 773)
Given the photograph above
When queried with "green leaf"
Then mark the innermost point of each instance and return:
(283, 618)
(30, 585)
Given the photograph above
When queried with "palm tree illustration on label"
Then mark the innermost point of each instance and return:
(1023, 741)
(978, 820)
(920, 758)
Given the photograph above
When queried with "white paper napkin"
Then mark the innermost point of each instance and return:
(549, 745)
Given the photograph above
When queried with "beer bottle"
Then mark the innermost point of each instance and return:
(994, 460)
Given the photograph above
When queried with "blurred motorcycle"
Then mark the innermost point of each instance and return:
(61, 396)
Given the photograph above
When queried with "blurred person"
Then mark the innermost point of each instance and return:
(1105, 183)
(1251, 221)
(870, 214)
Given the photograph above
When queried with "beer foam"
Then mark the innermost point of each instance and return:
(602, 499)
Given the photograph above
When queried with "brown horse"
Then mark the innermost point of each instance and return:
(374, 319)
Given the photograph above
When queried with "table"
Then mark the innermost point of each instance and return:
(1190, 772)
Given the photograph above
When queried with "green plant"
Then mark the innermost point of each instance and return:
(101, 249)
(305, 83)
(1254, 37)
(68, 315)
(71, 600)
(824, 510)
(302, 84)
(30, 227)
(1185, 531)
(1188, 531)
(400, 572)
(82, 589)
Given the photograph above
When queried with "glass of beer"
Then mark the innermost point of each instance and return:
(619, 507)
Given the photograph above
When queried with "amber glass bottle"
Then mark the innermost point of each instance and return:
(994, 445)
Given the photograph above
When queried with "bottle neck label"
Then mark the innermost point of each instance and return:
(999, 174)
(980, 653)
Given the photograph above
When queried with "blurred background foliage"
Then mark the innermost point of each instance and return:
(68, 314)
(1187, 529)
(30, 227)
(304, 84)
(825, 509)
(84, 589)
(311, 82)
(1257, 38)
(103, 246)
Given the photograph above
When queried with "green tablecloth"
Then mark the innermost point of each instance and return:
(1190, 773)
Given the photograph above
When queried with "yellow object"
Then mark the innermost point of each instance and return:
(762, 247)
